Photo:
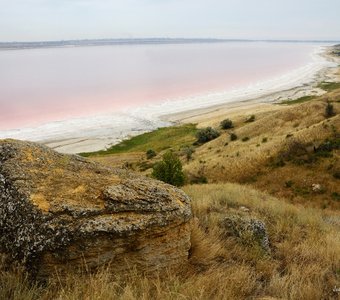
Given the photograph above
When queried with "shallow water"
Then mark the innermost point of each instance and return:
(43, 85)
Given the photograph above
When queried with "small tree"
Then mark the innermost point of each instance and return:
(227, 124)
(150, 154)
(169, 170)
(329, 111)
(206, 135)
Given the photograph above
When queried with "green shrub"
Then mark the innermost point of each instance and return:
(245, 139)
(233, 137)
(169, 170)
(264, 140)
(150, 154)
(206, 135)
(227, 124)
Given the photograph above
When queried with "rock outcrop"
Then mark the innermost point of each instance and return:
(248, 230)
(58, 211)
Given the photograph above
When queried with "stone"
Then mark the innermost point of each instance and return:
(244, 209)
(316, 187)
(60, 211)
(248, 230)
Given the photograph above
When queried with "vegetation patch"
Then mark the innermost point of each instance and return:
(297, 101)
(329, 110)
(169, 170)
(150, 154)
(227, 124)
(158, 140)
(233, 137)
(329, 86)
(300, 153)
(206, 134)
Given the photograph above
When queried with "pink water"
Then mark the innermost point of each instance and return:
(43, 85)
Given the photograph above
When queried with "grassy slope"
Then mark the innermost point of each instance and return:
(158, 140)
(251, 161)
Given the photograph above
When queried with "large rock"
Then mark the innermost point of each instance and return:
(58, 211)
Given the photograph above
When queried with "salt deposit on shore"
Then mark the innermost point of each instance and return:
(99, 132)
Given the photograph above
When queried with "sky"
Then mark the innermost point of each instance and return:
(37, 20)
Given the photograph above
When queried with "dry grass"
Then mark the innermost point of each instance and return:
(304, 262)
(222, 160)
(238, 160)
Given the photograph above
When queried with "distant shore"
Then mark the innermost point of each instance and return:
(134, 41)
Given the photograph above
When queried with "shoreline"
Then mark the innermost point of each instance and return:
(298, 83)
(327, 73)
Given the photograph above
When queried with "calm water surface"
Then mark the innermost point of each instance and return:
(43, 85)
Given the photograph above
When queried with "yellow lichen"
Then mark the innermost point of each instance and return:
(40, 201)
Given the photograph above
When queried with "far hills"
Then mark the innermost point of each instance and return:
(16, 45)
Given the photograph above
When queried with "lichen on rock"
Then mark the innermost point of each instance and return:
(57, 211)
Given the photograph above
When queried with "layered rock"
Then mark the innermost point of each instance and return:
(58, 211)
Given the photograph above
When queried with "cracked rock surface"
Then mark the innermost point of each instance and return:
(58, 211)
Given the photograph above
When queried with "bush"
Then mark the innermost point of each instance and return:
(206, 135)
(329, 110)
(150, 154)
(233, 137)
(227, 124)
(188, 152)
(245, 139)
(169, 170)
(264, 140)
(250, 119)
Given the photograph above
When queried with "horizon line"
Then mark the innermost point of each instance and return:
(17, 45)
(173, 38)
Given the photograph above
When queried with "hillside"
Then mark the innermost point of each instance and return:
(280, 152)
